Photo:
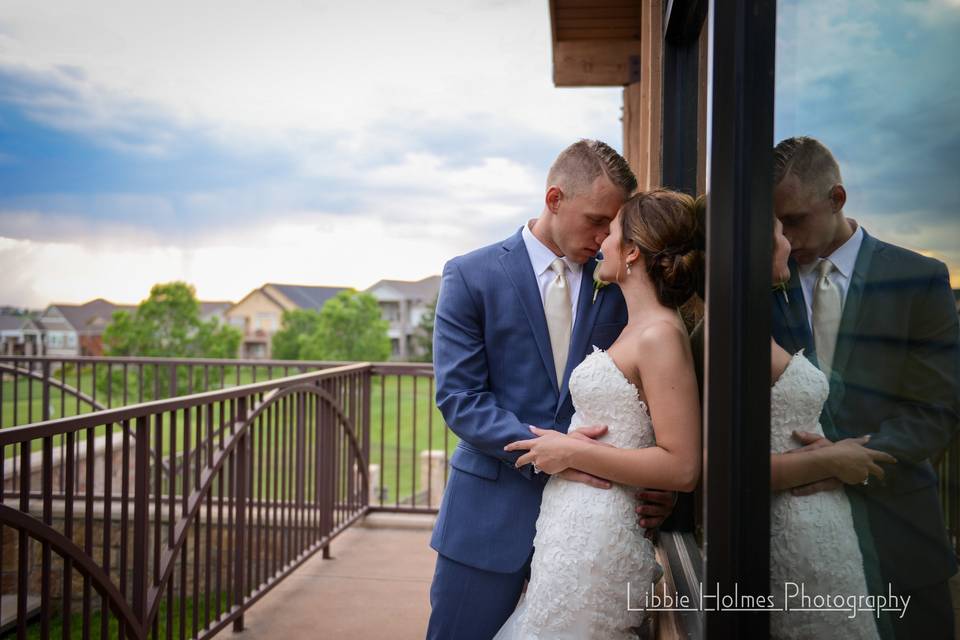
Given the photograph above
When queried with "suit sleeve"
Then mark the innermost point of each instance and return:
(460, 359)
(927, 416)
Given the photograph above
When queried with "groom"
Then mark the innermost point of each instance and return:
(512, 321)
(880, 321)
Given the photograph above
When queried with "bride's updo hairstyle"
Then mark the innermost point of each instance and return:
(667, 227)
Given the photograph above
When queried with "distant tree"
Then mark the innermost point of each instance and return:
(167, 324)
(351, 328)
(297, 326)
(424, 333)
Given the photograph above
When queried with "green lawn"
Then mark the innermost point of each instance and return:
(402, 438)
(22, 400)
(96, 620)
(397, 436)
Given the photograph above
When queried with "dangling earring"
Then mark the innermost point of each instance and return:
(628, 268)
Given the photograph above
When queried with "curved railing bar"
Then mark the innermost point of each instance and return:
(12, 435)
(388, 368)
(67, 548)
(274, 390)
(194, 502)
(208, 475)
(73, 391)
(76, 393)
(210, 362)
(345, 420)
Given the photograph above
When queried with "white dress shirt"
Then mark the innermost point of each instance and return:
(541, 257)
(844, 259)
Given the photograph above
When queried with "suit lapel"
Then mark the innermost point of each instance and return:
(516, 264)
(854, 302)
(587, 312)
(852, 311)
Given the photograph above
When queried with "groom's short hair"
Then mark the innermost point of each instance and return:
(584, 161)
(808, 159)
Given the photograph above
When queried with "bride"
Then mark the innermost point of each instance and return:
(588, 545)
(812, 538)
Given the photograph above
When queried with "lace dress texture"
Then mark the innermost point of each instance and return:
(813, 542)
(588, 544)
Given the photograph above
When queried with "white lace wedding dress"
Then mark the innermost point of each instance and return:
(588, 544)
(812, 539)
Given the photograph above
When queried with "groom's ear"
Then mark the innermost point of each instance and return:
(553, 198)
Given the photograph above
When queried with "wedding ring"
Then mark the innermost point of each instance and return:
(536, 469)
(866, 481)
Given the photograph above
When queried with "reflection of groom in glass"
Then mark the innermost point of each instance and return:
(880, 321)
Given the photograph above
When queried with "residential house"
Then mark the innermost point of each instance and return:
(259, 314)
(77, 329)
(20, 335)
(403, 304)
(214, 309)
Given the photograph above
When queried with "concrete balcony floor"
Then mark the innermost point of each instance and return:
(376, 585)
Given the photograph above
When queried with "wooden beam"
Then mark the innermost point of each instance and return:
(596, 43)
(595, 63)
(565, 33)
(599, 13)
(595, 4)
(630, 22)
(642, 103)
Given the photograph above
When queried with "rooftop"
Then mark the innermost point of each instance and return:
(90, 314)
(425, 289)
(304, 296)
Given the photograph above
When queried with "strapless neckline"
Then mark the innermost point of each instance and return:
(622, 376)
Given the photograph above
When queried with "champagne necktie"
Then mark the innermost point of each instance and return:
(556, 307)
(827, 309)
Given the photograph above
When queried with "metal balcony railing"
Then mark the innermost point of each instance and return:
(171, 516)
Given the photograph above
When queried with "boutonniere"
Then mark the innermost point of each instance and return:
(782, 287)
(597, 282)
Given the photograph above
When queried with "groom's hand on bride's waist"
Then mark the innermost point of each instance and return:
(653, 507)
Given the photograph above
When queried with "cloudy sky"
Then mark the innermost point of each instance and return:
(877, 82)
(235, 143)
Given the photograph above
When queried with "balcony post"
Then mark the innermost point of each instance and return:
(141, 518)
(240, 505)
(45, 409)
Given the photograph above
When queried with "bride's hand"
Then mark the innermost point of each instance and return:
(852, 462)
(549, 451)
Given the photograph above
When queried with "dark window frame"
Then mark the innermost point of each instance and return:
(740, 86)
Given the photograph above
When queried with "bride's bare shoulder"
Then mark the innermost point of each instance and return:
(662, 332)
(657, 341)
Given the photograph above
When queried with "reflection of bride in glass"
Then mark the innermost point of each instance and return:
(813, 543)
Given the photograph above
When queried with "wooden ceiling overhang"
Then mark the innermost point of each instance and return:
(597, 43)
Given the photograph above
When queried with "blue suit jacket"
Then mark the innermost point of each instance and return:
(495, 375)
(895, 377)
